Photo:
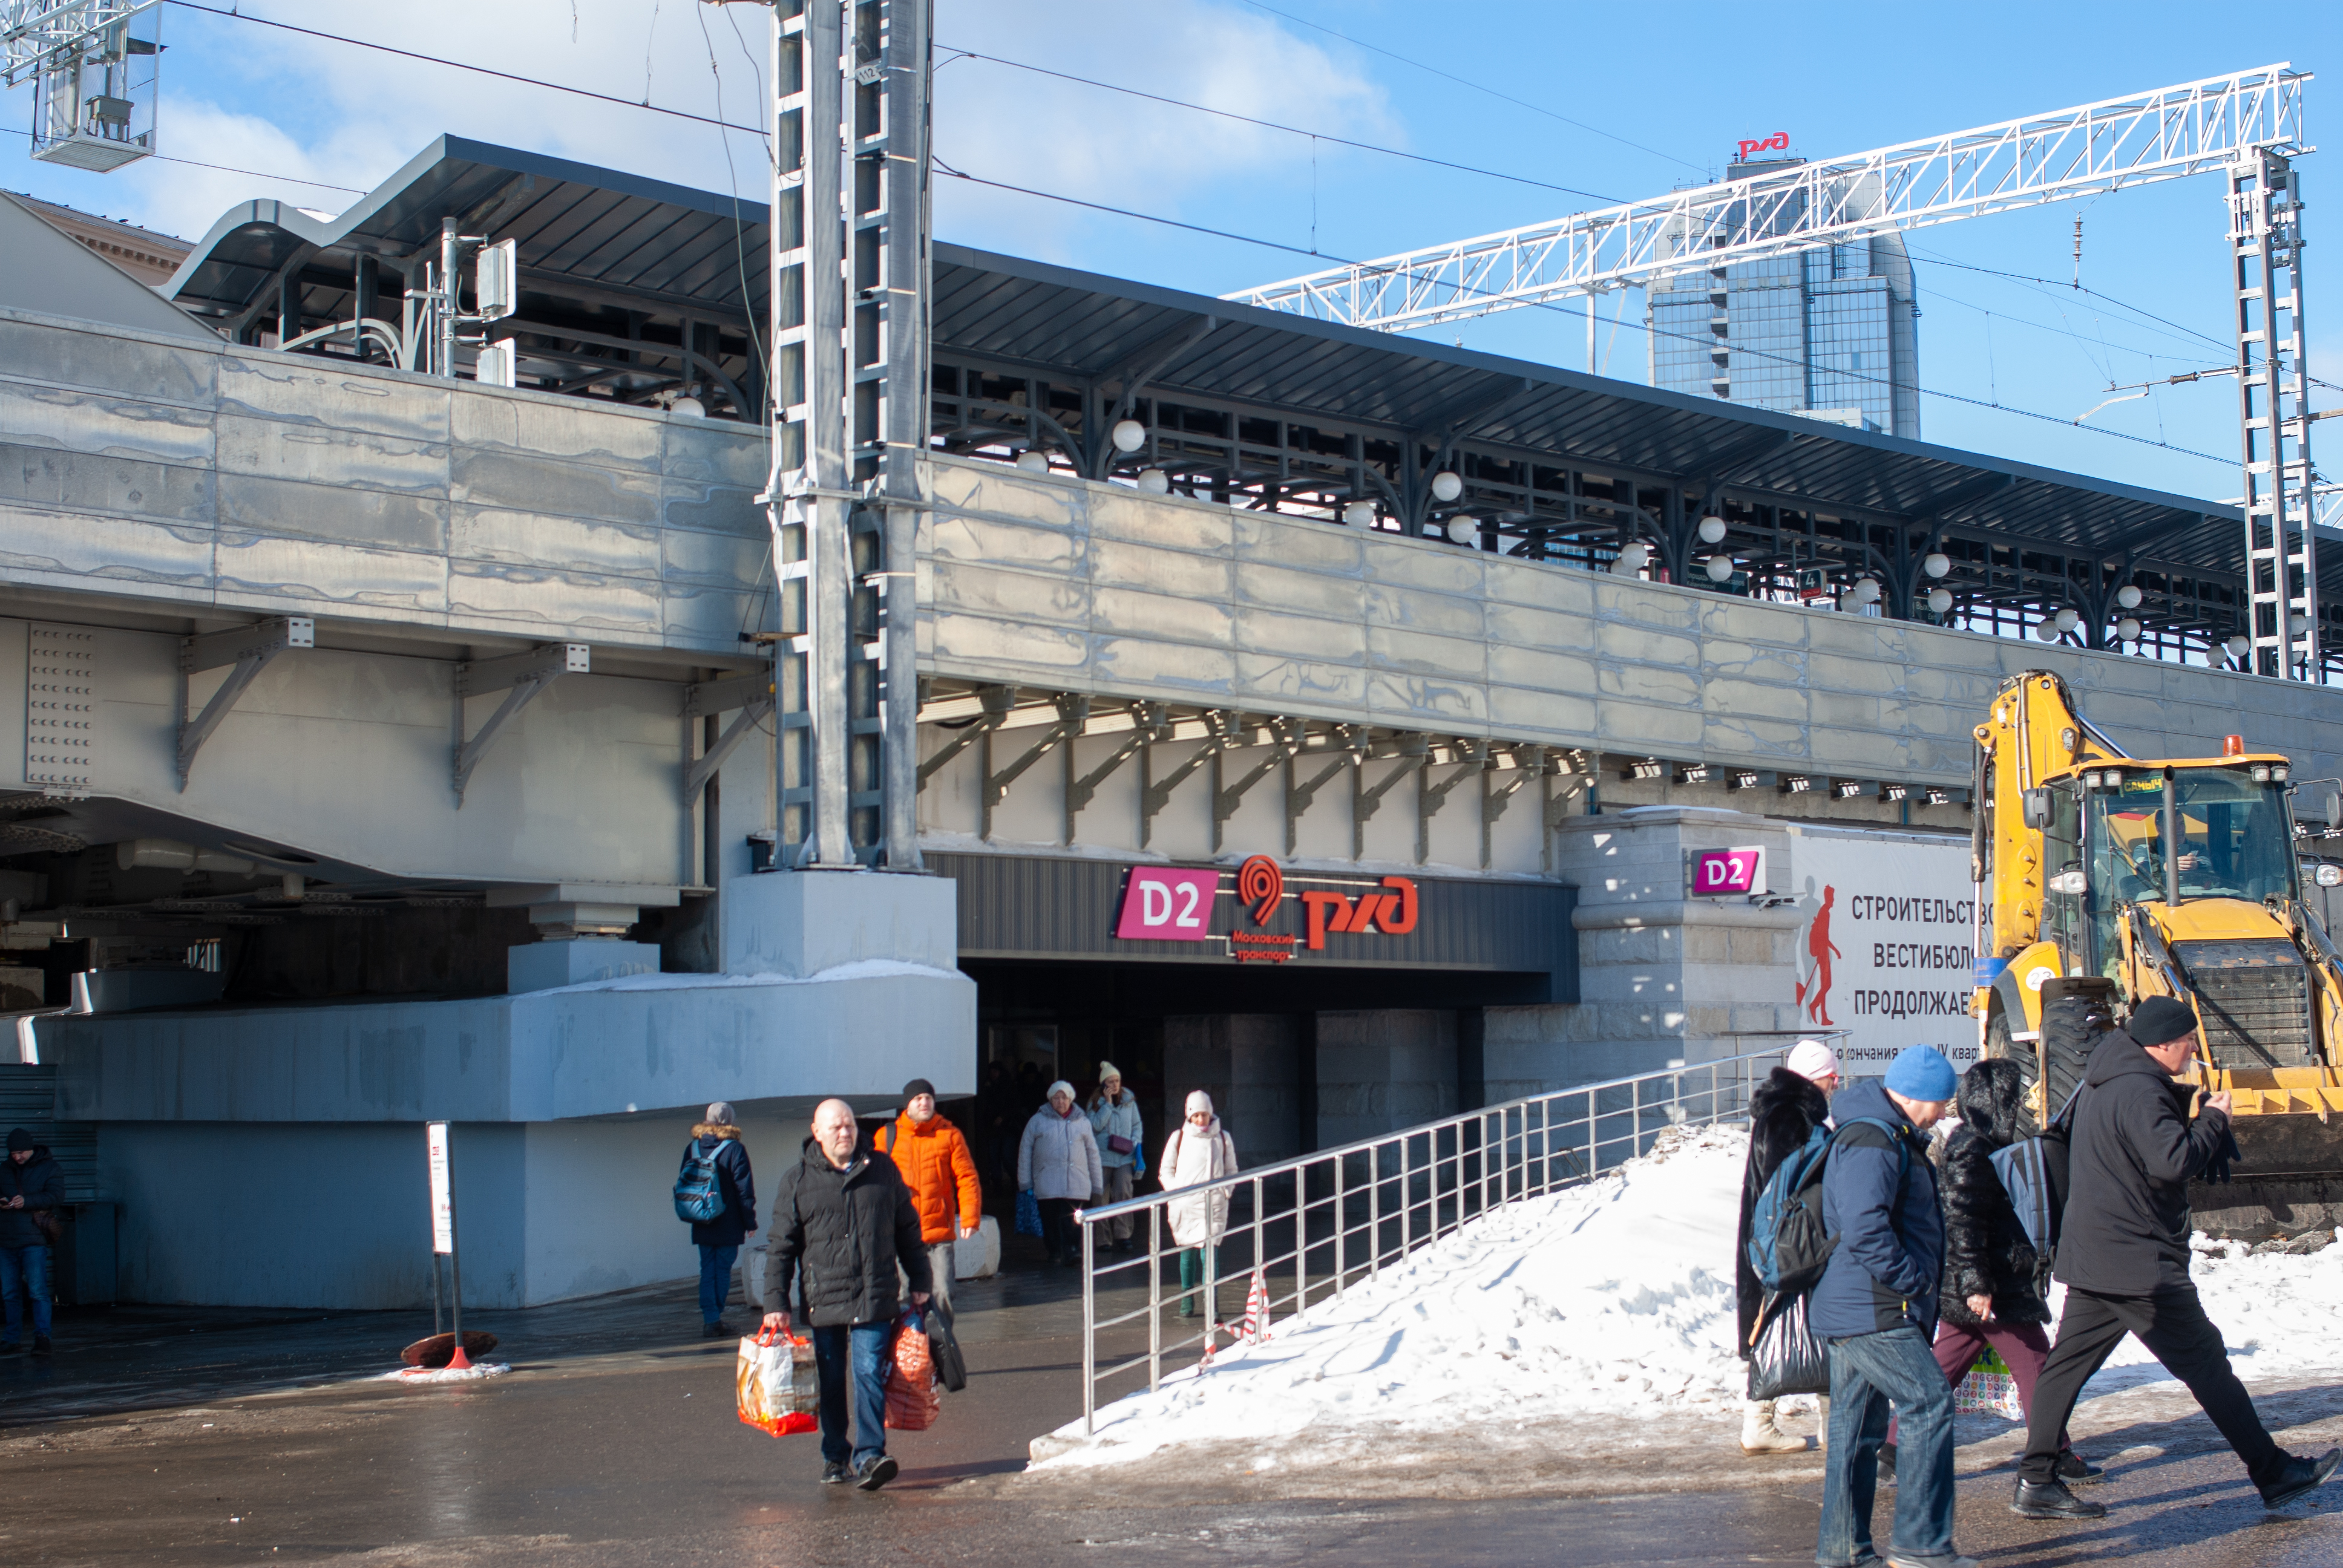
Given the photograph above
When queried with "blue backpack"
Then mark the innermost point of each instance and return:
(2033, 1171)
(699, 1193)
(1788, 1248)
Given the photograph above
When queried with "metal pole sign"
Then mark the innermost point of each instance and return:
(443, 1238)
(443, 1200)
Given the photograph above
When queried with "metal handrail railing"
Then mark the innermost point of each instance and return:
(1342, 1213)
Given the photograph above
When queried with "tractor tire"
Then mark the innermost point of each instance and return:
(2071, 1029)
(1999, 1046)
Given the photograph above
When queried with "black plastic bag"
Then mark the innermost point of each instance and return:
(943, 1349)
(1787, 1358)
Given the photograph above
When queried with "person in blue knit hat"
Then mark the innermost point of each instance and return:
(1875, 1309)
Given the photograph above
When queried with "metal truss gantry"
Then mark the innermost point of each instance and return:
(2274, 417)
(91, 64)
(849, 375)
(2197, 128)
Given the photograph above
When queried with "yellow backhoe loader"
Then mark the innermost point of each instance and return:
(2105, 879)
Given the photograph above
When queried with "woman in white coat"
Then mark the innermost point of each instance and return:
(1058, 1162)
(1198, 1151)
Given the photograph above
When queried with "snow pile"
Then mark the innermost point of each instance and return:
(1614, 1298)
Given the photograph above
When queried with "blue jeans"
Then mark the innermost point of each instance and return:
(716, 1280)
(1869, 1373)
(23, 1270)
(869, 1344)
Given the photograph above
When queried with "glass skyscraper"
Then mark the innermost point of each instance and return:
(1830, 332)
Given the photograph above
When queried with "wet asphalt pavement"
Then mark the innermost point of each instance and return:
(613, 1441)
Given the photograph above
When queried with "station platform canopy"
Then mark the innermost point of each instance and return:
(640, 290)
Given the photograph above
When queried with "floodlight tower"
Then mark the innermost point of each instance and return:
(849, 417)
(93, 66)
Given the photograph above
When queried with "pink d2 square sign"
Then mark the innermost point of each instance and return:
(1722, 873)
(1168, 903)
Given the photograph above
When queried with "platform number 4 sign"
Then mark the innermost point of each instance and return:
(1726, 873)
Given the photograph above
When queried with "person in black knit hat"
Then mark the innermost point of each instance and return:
(2123, 1252)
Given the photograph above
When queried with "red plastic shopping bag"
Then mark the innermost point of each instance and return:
(774, 1378)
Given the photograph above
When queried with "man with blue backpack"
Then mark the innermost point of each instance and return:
(1875, 1309)
(716, 1193)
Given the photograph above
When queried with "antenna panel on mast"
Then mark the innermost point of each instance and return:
(93, 65)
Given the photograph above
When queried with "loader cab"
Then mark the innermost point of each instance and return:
(2166, 834)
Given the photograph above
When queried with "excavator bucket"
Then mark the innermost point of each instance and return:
(2288, 1178)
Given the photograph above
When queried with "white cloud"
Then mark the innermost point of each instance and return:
(1021, 129)
(258, 98)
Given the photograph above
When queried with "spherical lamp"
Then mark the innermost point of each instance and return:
(1936, 563)
(2128, 597)
(2297, 626)
(1034, 461)
(2068, 617)
(1154, 481)
(1359, 515)
(1867, 590)
(1634, 556)
(1712, 530)
(1940, 600)
(2047, 629)
(2127, 630)
(2238, 646)
(1463, 530)
(1719, 569)
(1128, 435)
(1446, 486)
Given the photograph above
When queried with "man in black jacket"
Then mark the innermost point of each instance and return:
(841, 1224)
(2123, 1252)
(30, 1181)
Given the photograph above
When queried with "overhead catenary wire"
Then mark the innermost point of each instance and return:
(225, 168)
(455, 64)
(1476, 87)
(1565, 310)
(1275, 125)
(240, 15)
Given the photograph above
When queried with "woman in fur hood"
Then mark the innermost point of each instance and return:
(1997, 1287)
(1784, 1111)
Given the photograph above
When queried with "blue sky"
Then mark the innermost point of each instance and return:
(1614, 101)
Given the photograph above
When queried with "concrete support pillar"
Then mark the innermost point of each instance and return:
(1663, 978)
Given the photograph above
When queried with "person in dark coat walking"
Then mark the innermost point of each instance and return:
(843, 1222)
(2123, 1252)
(1875, 1309)
(30, 1181)
(1997, 1289)
(1784, 1111)
(720, 1240)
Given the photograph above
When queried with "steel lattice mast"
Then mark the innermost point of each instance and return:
(2198, 127)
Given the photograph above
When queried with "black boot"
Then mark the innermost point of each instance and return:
(2051, 1500)
(2300, 1476)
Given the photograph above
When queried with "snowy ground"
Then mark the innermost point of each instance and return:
(1612, 1300)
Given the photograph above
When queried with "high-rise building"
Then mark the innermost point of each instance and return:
(1830, 332)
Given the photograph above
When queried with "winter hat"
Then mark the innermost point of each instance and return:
(1107, 1070)
(2161, 1020)
(918, 1087)
(1812, 1060)
(1921, 1072)
(1060, 1087)
(1199, 1101)
(19, 1140)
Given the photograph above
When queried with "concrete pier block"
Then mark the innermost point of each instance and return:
(546, 966)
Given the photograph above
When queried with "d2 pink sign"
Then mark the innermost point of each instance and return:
(1168, 903)
(1722, 873)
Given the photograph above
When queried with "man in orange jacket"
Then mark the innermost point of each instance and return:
(941, 1174)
